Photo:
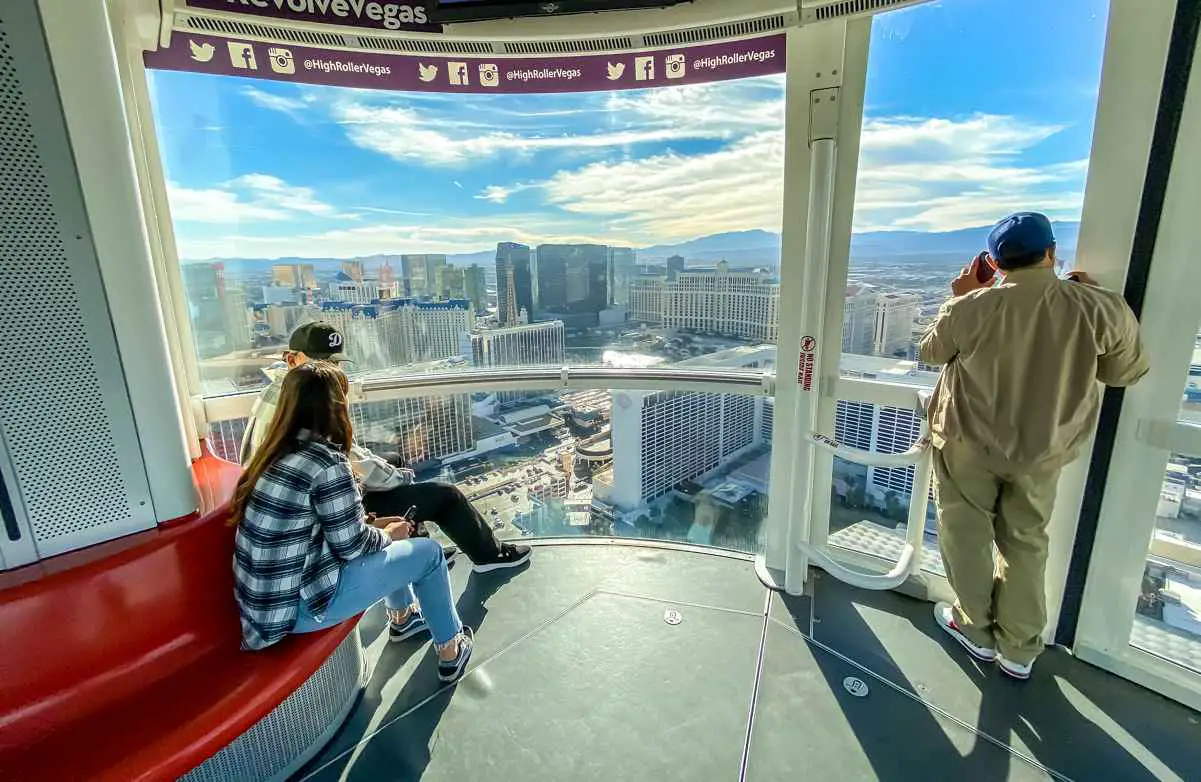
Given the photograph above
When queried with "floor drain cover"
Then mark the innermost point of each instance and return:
(856, 686)
(672, 616)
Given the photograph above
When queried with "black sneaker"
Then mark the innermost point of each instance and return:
(449, 553)
(413, 625)
(452, 670)
(510, 556)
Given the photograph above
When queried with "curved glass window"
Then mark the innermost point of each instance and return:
(625, 228)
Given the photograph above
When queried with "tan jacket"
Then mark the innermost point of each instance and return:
(1023, 360)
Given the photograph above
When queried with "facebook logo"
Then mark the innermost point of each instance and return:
(644, 68)
(241, 55)
(458, 73)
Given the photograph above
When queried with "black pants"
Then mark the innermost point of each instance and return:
(445, 506)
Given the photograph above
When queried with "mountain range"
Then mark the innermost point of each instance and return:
(744, 247)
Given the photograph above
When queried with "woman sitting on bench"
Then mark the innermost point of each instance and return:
(307, 556)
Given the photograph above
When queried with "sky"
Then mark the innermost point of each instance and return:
(974, 108)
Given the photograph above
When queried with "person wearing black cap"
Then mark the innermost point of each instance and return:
(387, 490)
(1023, 351)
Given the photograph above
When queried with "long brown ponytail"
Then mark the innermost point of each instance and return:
(313, 397)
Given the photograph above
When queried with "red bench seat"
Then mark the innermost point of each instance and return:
(127, 667)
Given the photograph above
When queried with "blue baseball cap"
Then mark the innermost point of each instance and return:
(1022, 233)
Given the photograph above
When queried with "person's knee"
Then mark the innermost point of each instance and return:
(427, 550)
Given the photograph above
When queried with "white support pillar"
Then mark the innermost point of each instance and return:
(83, 52)
(815, 66)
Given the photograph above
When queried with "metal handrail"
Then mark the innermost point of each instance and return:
(921, 456)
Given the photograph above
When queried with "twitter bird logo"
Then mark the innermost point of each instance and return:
(616, 70)
(201, 52)
(427, 72)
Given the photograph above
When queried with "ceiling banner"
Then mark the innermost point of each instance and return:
(348, 13)
(428, 73)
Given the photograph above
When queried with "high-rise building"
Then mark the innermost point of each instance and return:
(514, 283)
(573, 280)
(239, 320)
(282, 319)
(351, 291)
(417, 429)
(285, 275)
(475, 288)
(623, 267)
(879, 324)
(221, 318)
(645, 299)
(421, 273)
(882, 428)
(732, 302)
(896, 314)
(354, 270)
(533, 344)
(675, 267)
(399, 331)
(450, 282)
(663, 438)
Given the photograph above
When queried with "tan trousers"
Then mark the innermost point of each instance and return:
(1001, 606)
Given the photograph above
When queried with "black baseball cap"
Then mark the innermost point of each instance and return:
(318, 340)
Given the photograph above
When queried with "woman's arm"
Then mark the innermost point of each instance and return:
(339, 508)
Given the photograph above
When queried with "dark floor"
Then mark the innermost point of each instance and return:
(577, 675)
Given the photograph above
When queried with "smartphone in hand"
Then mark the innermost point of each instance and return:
(985, 269)
(418, 528)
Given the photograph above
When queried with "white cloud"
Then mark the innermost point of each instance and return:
(282, 103)
(270, 189)
(915, 173)
(246, 199)
(435, 135)
(939, 174)
(217, 206)
(673, 196)
(458, 236)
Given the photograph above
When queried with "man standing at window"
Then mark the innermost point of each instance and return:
(387, 490)
(1014, 404)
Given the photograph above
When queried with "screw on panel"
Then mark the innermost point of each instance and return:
(856, 686)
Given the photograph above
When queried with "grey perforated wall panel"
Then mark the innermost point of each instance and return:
(70, 450)
(284, 740)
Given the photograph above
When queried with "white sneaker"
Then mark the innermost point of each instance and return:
(946, 620)
(1014, 670)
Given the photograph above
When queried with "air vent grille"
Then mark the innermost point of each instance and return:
(853, 7)
(211, 24)
(765, 24)
(569, 47)
(54, 412)
(425, 45)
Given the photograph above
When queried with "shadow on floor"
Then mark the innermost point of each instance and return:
(1072, 718)
(900, 737)
(423, 700)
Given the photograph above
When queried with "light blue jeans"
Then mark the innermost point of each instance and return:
(402, 571)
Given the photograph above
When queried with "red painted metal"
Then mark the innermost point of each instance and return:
(122, 662)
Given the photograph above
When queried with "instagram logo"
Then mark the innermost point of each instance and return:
(676, 66)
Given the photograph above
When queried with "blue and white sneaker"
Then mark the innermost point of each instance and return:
(413, 625)
(452, 670)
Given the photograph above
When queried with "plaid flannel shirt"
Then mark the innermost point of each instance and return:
(304, 519)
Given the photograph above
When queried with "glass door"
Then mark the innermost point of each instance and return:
(1141, 616)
